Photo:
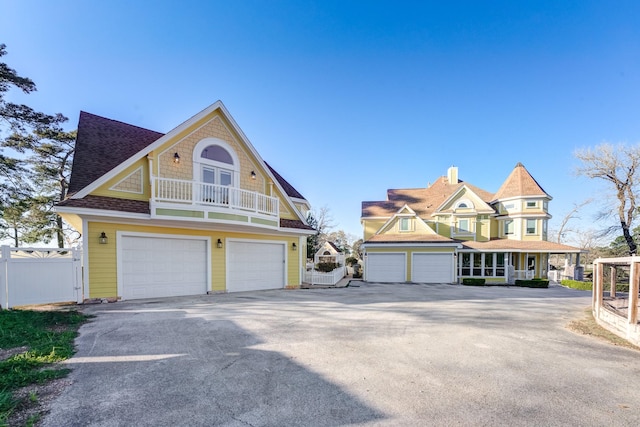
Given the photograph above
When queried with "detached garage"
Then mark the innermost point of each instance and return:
(162, 266)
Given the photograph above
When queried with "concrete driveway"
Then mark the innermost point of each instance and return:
(377, 354)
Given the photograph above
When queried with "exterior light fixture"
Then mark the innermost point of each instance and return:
(253, 174)
(103, 238)
(294, 247)
(219, 244)
(176, 157)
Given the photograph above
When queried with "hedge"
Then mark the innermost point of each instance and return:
(534, 283)
(576, 284)
(470, 281)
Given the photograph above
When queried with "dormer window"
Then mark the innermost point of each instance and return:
(464, 204)
(404, 224)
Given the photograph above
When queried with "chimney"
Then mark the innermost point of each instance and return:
(452, 175)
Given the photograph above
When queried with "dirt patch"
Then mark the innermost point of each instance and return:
(35, 402)
(588, 326)
(5, 354)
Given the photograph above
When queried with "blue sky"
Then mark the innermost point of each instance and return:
(348, 98)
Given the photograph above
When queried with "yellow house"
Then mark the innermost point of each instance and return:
(452, 229)
(193, 211)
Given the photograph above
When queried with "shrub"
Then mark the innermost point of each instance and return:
(576, 284)
(469, 281)
(539, 283)
(327, 267)
(351, 260)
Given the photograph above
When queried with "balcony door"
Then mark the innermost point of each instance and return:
(216, 168)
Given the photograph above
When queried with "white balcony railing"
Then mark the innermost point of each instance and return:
(200, 193)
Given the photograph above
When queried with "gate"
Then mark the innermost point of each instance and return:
(39, 276)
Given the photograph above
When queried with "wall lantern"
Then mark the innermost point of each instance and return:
(253, 174)
(176, 158)
(294, 247)
(219, 244)
(103, 238)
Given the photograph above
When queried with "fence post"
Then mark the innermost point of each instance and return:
(5, 252)
(633, 294)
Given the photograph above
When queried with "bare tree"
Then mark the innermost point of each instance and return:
(616, 165)
(572, 214)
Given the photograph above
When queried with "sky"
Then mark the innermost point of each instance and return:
(346, 99)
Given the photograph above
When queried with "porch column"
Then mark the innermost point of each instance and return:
(614, 273)
(634, 279)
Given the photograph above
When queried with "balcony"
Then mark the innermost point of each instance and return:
(199, 200)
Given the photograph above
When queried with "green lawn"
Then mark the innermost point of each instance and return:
(31, 342)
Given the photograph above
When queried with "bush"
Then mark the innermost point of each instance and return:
(351, 260)
(327, 267)
(469, 281)
(576, 284)
(534, 283)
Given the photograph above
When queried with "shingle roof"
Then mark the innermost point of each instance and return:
(519, 183)
(520, 245)
(409, 238)
(288, 188)
(424, 201)
(108, 203)
(101, 145)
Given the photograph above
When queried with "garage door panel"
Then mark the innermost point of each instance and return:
(160, 267)
(255, 266)
(387, 267)
(432, 268)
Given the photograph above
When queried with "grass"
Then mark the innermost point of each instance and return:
(588, 326)
(33, 341)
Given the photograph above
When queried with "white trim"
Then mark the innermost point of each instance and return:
(101, 212)
(538, 196)
(173, 133)
(199, 162)
(119, 269)
(486, 208)
(285, 264)
(412, 245)
(85, 258)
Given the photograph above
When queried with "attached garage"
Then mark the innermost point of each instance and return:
(386, 267)
(253, 265)
(432, 268)
(162, 266)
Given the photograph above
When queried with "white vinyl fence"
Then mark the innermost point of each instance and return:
(39, 276)
(319, 278)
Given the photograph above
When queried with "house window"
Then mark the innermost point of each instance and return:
(405, 224)
(488, 264)
(531, 226)
(509, 206)
(500, 264)
(465, 264)
(532, 205)
(508, 227)
(217, 153)
(464, 204)
(463, 225)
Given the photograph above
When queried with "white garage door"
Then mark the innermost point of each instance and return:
(386, 267)
(162, 267)
(254, 266)
(432, 268)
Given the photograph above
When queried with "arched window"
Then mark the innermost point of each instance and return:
(215, 162)
(464, 204)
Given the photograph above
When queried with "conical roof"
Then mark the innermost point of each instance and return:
(520, 183)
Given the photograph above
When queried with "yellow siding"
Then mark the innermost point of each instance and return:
(102, 261)
(371, 226)
(106, 191)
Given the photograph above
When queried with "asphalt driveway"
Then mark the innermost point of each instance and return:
(377, 354)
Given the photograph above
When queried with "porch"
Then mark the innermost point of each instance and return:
(173, 198)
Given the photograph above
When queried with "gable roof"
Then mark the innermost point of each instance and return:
(520, 183)
(424, 201)
(101, 145)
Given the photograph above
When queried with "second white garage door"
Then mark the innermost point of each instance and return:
(254, 266)
(432, 268)
(389, 267)
(162, 267)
